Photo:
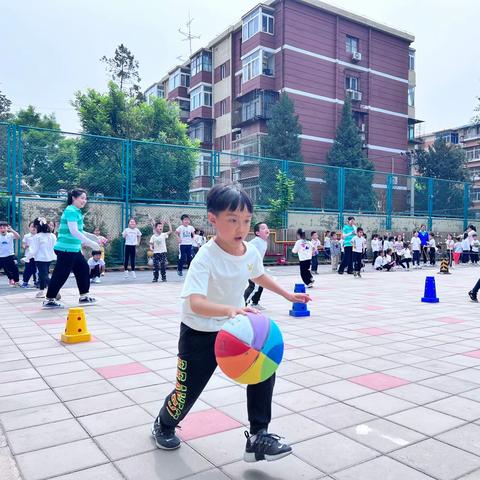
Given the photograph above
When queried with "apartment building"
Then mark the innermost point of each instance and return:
(468, 138)
(317, 53)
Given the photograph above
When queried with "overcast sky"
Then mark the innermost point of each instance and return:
(51, 48)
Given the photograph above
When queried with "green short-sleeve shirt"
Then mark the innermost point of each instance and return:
(66, 241)
(348, 234)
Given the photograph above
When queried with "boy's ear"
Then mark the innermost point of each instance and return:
(212, 218)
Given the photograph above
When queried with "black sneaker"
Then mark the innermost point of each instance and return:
(87, 300)
(473, 297)
(164, 279)
(51, 303)
(265, 446)
(155, 280)
(180, 274)
(166, 438)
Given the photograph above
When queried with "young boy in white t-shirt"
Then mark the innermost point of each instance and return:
(185, 234)
(159, 248)
(7, 253)
(359, 245)
(97, 266)
(212, 293)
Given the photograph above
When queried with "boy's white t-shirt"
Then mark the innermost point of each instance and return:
(475, 246)
(375, 243)
(6, 245)
(386, 245)
(260, 244)
(316, 243)
(186, 234)
(92, 263)
(27, 240)
(358, 244)
(466, 245)
(131, 235)
(416, 244)
(431, 243)
(304, 248)
(407, 253)
(327, 243)
(450, 244)
(221, 278)
(159, 242)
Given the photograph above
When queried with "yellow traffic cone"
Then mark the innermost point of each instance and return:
(76, 330)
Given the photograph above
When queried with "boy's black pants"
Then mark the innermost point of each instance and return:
(10, 267)
(357, 261)
(196, 364)
(255, 298)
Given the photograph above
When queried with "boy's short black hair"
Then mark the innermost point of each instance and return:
(228, 196)
(158, 223)
(184, 216)
(312, 233)
(301, 233)
(96, 252)
(3, 223)
(350, 218)
(359, 229)
(256, 227)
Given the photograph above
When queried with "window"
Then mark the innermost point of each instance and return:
(351, 44)
(201, 97)
(411, 96)
(201, 131)
(252, 63)
(184, 105)
(449, 137)
(223, 107)
(411, 59)
(202, 167)
(251, 24)
(223, 143)
(411, 132)
(201, 62)
(177, 79)
(351, 83)
(473, 153)
(223, 71)
(251, 66)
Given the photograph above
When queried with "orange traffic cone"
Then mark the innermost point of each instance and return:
(76, 330)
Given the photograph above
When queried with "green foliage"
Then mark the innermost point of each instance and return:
(285, 196)
(123, 69)
(347, 152)
(159, 171)
(442, 161)
(5, 104)
(283, 142)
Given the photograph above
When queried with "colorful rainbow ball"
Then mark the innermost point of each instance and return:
(249, 348)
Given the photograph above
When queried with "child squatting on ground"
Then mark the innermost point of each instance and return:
(212, 293)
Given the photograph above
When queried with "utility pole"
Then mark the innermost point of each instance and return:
(188, 36)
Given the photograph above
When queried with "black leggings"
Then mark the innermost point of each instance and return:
(305, 272)
(347, 261)
(10, 267)
(196, 364)
(69, 262)
(255, 298)
(43, 270)
(30, 269)
(130, 251)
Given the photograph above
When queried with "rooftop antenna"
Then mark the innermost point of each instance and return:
(188, 35)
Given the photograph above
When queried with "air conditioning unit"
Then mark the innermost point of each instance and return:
(394, 180)
(355, 95)
(356, 56)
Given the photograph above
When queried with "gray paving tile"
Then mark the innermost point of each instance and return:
(438, 459)
(46, 435)
(382, 468)
(61, 459)
(342, 390)
(84, 390)
(328, 453)
(26, 400)
(426, 421)
(310, 379)
(466, 438)
(458, 407)
(18, 374)
(135, 381)
(29, 417)
(208, 475)
(22, 386)
(165, 465)
(446, 383)
(280, 470)
(418, 394)
(380, 404)
(99, 403)
(471, 476)
(223, 396)
(300, 400)
(238, 411)
(114, 420)
(128, 442)
(338, 416)
(102, 472)
(295, 428)
(72, 378)
(382, 435)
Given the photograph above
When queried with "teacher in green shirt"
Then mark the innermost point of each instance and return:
(349, 231)
(68, 249)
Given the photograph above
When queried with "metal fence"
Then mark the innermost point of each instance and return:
(122, 176)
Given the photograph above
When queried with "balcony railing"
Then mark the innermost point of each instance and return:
(253, 106)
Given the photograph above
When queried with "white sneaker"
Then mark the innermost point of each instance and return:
(125, 274)
(134, 275)
(96, 280)
(40, 294)
(258, 306)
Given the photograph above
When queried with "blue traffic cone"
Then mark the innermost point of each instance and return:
(299, 309)
(430, 295)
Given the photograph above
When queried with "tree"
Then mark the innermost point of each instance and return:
(347, 152)
(285, 196)
(123, 68)
(442, 161)
(283, 142)
(157, 171)
(476, 117)
(5, 104)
